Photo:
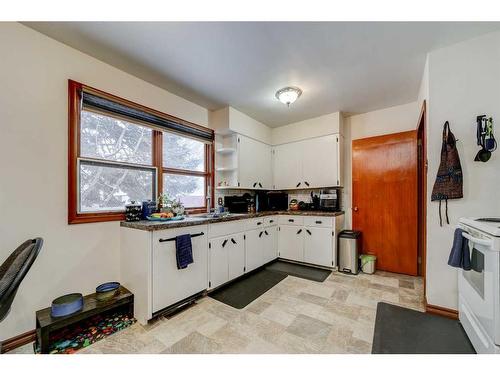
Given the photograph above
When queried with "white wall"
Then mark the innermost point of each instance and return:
(34, 70)
(384, 121)
(464, 81)
(314, 127)
(228, 119)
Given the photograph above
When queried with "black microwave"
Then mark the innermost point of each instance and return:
(277, 200)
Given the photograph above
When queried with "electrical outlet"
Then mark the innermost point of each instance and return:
(219, 201)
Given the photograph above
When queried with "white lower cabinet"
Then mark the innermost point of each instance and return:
(236, 255)
(309, 239)
(271, 245)
(291, 242)
(256, 241)
(227, 258)
(318, 246)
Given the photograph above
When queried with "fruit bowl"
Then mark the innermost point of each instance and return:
(156, 218)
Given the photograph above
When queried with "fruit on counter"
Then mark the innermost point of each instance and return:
(163, 215)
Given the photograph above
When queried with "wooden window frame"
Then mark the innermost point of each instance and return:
(74, 110)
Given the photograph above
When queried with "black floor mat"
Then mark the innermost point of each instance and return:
(245, 290)
(403, 331)
(298, 270)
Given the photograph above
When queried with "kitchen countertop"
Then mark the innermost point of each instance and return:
(199, 220)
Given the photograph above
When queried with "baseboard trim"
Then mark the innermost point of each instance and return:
(442, 311)
(18, 341)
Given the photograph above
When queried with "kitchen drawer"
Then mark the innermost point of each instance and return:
(290, 220)
(270, 220)
(228, 227)
(256, 223)
(318, 221)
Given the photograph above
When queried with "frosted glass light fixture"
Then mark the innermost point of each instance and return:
(287, 95)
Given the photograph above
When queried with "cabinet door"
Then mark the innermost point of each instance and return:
(219, 262)
(170, 284)
(318, 246)
(287, 166)
(255, 164)
(271, 244)
(255, 243)
(320, 161)
(291, 242)
(236, 255)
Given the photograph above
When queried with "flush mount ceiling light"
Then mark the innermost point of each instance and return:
(287, 95)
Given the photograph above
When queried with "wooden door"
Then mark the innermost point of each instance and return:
(384, 200)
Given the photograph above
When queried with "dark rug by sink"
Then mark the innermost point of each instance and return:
(403, 331)
(244, 290)
(241, 292)
(299, 270)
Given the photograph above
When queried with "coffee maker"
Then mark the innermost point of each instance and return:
(329, 200)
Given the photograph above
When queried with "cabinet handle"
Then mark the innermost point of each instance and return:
(233, 241)
(271, 221)
(267, 234)
(260, 234)
(259, 223)
(298, 185)
(308, 231)
(291, 220)
(260, 184)
(254, 184)
(300, 231)
(224, 243)
(318, 222)
(173, 238)
(307, 183)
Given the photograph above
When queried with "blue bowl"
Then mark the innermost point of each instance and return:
(67, 305)
(107, 291)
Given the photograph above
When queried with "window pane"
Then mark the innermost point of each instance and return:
(183, 153)
(189, 189)
(106, 137)
(109, 188)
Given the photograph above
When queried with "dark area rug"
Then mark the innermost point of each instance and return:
(244, 290)
(403, 331)
(241, 292)
(299, 270)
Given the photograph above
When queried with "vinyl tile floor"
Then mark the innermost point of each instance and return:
(295, 316)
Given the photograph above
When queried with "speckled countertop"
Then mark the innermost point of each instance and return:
(199, 220)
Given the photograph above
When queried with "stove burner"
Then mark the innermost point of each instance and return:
(490, 219)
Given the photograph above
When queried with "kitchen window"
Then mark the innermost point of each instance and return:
(120, 151)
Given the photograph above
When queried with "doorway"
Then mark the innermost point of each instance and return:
(422, 188)
(385, 199)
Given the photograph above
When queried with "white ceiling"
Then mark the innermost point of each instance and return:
(348, 66)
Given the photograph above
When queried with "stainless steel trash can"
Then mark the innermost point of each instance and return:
(349, 248)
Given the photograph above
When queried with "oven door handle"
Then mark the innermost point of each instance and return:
(478, 241)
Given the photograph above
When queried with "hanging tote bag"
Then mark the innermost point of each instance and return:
(449, 179)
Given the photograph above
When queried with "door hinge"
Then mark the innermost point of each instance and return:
(338, 182)
(332, 262)
(209, 245)
(337, 139)
(333, 233)
(244, 269)
(209, 284)
(419, 260)
(238, 139)
(238, 183)
(279, 229)
(244, 236)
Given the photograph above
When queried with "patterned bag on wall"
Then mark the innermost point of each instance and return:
(449, 179)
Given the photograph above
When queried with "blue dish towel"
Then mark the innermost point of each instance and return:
(183, 251)
(460, 253)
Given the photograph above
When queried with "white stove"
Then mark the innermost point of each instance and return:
(479, 288)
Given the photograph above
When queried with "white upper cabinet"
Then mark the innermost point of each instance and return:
(287, 166)
(320, 162)
(311, 163)
(254, 164)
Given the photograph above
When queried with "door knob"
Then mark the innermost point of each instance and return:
(355, 209)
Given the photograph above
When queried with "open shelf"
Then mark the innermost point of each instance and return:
(225, 150)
